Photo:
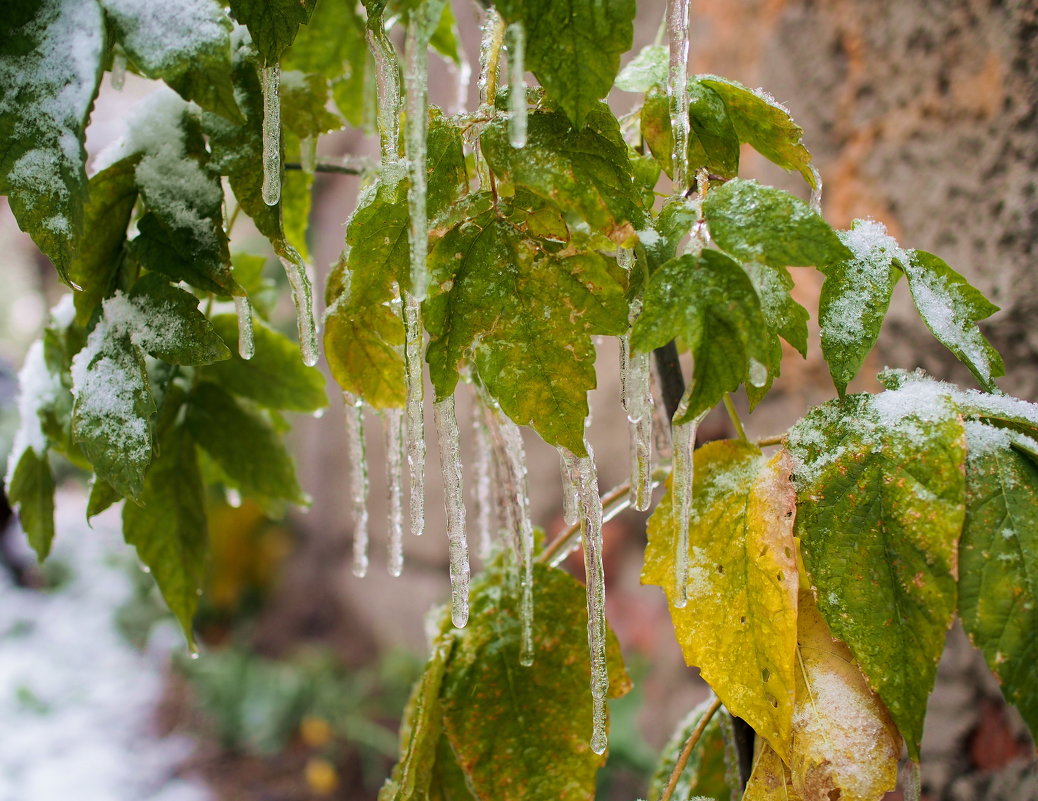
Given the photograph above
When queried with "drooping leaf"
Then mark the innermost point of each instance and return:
(713, 143)
(770, 780)
(784, 316)
(585, 171)
(764, 124)
(855, 297)
(168, 526)
(950, 307)
(243, 443)
(647, 70)
(362, 345)
(882, 477)
(844, 744)
(739, 626)
(530, 316)
(296, 200)
(274, 377)
(102, 496)
(574, 48)
(31, 494)
(304, 99)
(273, 24)
(445, 38)
(50, 65)
(709, 302)
(185, 44)
(165, 321)
(998, 588)
(761, 223)
(706, 772)
(674, 223)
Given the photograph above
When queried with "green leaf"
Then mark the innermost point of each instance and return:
(94, 267)
(31, 493)
(586, 171)
(296, 198)
(530, 316)
(709, 302)
(168, 526)
(363, 347)
(855, 298)
(273, 24)
(244, 444)
(303, 105)
(647, 70)
(950, 308)
(444, 39)
(998, 588)
(574, 48)
(761, 223)
(705, 773)
(535, 720)
(713, 144)
(674, 223)
(881, 477)
(186, 44)
(784, 315)
(50, 66)
(764, 124)
(102, 496)
(739, 626)
(165, 322)
(274, 377)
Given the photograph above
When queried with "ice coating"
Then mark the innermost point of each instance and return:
(118, 77)
(416, 82)
(516, 85)
(246, 342)
(393, 421)
(270, 82)
(453, 499)
(415, 410)
(359, 483)
(486, 520)
(387, 87)
(303, 299)
(684, 437)
(570, 502)
(517, 485)
(677, 89)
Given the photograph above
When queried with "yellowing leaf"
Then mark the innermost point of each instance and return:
(844, 743)
(739, 626)
(770, 780)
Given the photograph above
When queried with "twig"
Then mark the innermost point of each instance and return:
(734, 416)
(323, 166)
(778, 439)
(686, 752)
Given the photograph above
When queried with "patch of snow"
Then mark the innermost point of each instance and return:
(162, 35)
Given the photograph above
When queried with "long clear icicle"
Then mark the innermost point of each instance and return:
(486, 519)
(416, 81)
(677, 88)
(570, 501)
(816, 192)
(118, 78)
(516, 84)
(270, 82)
(415, 410)
(303, 298)
(516, 454)
(454, 502)
(358, 480)
(393, 421)
(492, 34)
(684, 438)
(660, 423)
(591, 537)
(387, 87)
(246, 341)
(636, 393)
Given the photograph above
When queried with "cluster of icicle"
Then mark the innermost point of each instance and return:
(501, 499)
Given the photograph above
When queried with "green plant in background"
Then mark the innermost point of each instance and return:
(811, 576)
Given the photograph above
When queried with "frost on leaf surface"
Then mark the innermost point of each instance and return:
(645, 71)
(706, 773)
(739, 626)
(50, 66)
(880, 490)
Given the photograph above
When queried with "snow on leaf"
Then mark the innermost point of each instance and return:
(165, 322)
(739, 626)
(273, 24)
(645, 71)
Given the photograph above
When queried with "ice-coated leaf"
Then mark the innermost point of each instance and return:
(713, 143)
(273, 24)
(950, 307)
(31, 494)
(709, 302)
(533, 720)
(764, 124)
(165, 321)
(739, 626)
(243, 443)
(785, 316)
(362, 345)
(844, 744)
(574, 48)
(186, 44)
(998, 587)
(274, 377)
(705, 773)
(881, 477)
(529, 316)
(674, 223)
(764, 224)
(770, 780)
(647, 70)
(168, 525)
(110, 202)
(50, 66)
(584, 171)
(855, 297)
(303, 104)
(296, 198)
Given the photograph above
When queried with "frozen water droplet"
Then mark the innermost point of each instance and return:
(118, 79)
(233, 497)
(816, 193)
(246, 342)
(303, 299)
(758, 373)
(270, 82)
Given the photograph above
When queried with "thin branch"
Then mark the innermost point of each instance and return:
(323, 166)
(733, 414)
(686, 752)
(778, 439)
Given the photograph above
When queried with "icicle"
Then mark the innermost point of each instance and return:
(387, 83)
(636, 394)
(246, 343)
(308, 154)
(303, 298)
(453, 499)
(358, 480)
(677, 89)
(816, 192)
(393, 420)
(417, 84)
(270, 80)
(684, 435)
(462, 72)
(570, 502)
(911, 782)
(415, 412)
(517, 85)
(516, 453)
(486, 520)
(118, 78)
(660, 424)
(489, 55)
(591, 537)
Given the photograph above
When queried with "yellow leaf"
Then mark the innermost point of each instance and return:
(739, 626)
(844, 743)
(770, 779)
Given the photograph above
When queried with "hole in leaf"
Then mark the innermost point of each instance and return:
(720, 569)
(779, 576)
(765, 674)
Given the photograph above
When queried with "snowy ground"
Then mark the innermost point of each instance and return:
(76, 701)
